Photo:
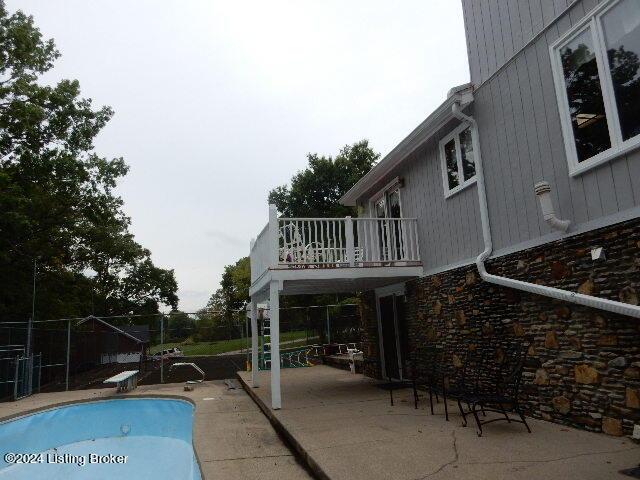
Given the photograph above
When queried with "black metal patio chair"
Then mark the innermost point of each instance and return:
(399, 384)
(460, 383)
(428, 372)
(390, 384)
(498, 388)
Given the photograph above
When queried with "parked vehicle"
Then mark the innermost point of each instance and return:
(174, 352)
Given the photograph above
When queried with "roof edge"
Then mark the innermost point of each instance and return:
(92, 317)
(442, 114)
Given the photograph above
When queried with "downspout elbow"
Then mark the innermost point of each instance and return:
(543, 192)
(557, 224)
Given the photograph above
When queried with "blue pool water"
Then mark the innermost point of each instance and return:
(90, 441)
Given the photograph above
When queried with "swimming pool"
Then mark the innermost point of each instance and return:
(121, 438)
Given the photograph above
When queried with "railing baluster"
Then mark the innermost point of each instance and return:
(403, 252)
(310, 240)
(314, 241)
(366, 248)
(298, 254)
(367, 238)
(374, 241)
(385, 234)
(336, 242)
(379, 229)
(341, 225)
(372, 246)
(409, 241)
(393, 238)
(302, 252)
(393, 241)
(414, 243)
(356, 237)
(336, 257)
(367, 228)
(364, 245)
(416, 238)
(387, 239)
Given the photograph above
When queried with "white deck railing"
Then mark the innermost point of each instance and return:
(260, 253)
(334, 242)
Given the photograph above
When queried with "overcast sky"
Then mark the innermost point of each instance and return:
(217, 102)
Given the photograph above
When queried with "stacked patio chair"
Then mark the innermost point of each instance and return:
(484, 382)
(495, 387)
(392, 385)
(424, 372)
(463, 382)
(428, 372)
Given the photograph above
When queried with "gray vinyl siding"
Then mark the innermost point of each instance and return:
(521, 143)
(449, 228)
(497, 29)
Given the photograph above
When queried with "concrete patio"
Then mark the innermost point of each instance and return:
(344, 427)
(231, 437)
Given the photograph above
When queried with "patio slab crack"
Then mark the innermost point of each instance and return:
(247, 458)
(456, 456)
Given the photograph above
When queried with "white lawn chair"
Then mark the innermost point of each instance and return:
(292, 249)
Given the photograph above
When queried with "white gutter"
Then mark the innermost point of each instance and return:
(557, 293)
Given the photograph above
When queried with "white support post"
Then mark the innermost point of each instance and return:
(274, 322)
(351, 248)
(274, 251)
(254, 345)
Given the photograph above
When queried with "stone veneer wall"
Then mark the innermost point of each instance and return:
(584, 364)
(369, 335)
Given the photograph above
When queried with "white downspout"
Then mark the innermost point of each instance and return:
(557, 293)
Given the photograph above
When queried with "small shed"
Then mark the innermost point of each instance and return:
(98, 342)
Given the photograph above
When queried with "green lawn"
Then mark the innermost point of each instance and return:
(191, 349)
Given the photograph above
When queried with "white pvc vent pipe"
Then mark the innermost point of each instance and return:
(557, 293)
(543, 192)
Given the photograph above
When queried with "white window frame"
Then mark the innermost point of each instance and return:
(619, 147)
(455, 135)
(390, 187)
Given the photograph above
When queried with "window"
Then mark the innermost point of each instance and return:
(596, 69)
(391, 235)
(386, 203)
(458, 163)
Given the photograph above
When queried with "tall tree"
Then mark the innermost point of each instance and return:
(233, 293)
(315, 191)
(58, 207)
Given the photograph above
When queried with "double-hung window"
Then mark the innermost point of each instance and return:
(597, 76)
(457, 159)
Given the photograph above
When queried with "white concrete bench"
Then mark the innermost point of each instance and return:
(127, 380)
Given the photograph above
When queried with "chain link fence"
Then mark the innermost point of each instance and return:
(80, 353)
